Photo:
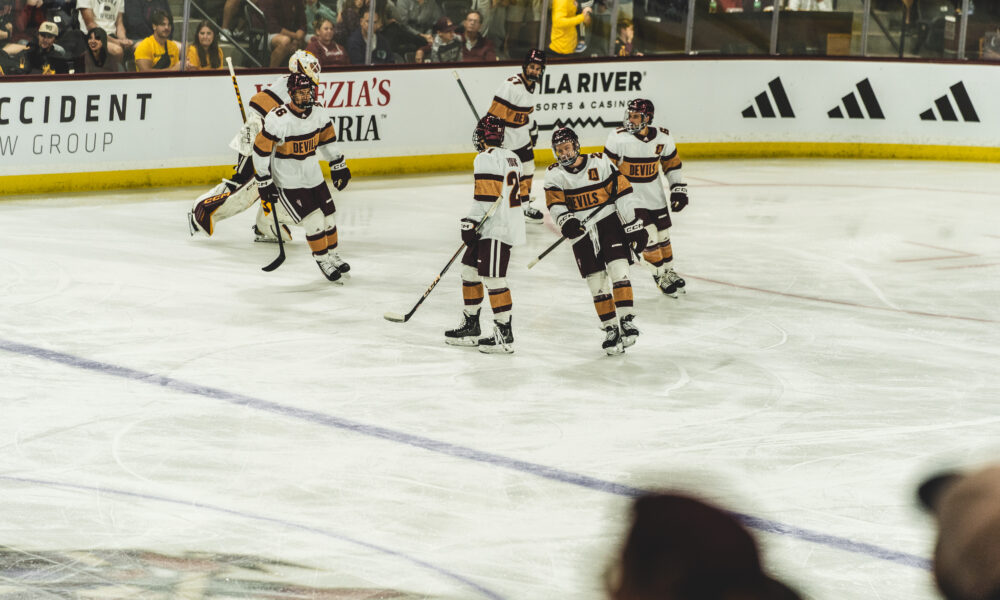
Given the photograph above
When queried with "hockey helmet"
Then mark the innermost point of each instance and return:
(534, 56)
(488, 132)
(305, 62)
(643, 107)
(561, 136)
(301, 81)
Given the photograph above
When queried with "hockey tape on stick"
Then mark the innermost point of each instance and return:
(236, 86)
(466, 94)
(398, 318)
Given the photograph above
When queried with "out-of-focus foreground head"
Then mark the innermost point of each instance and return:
(680, 548)
(967, 553)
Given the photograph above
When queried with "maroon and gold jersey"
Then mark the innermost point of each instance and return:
(594, 185)
(640, 159)
(291, 144)
(497, 174)
(513, 104)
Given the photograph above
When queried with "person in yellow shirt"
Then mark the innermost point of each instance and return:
(158, 52)
(205, 52)
(564, 22)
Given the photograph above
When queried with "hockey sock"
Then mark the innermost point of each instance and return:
(331, 238)
(605, 307)
(472, 293)
(501, 303)
(524, 189)
(667, 252)
(622, 293)
(317, 243)
(653, 256)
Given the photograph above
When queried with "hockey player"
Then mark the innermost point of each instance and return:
(584, 194)
(641, 151)
(235, 195)
(513, 104)
(497, 173)
(289, 175)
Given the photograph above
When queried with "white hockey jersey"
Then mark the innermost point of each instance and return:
(594, 186)
(497, 173)
(513, 104)
(267, 99)
(640, 159)
(291, 144)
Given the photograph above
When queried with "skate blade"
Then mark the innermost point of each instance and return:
(467, 342)
(615, 350)
(496, 349)
(628, 341)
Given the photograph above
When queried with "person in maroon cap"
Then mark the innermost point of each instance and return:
(446, 46)
(680, 548)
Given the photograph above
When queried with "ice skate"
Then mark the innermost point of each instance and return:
(268, 237)
(329, 269)
(613, 340)
(532, 214)
(629, 331)
(467, 333)
(340, 263)
(501, 342)
(671, 283)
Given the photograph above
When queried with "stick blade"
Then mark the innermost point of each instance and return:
(274, 265)
(394, 317)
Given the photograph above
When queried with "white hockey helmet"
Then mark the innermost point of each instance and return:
(303, 61)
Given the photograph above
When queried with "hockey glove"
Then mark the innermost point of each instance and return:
(636, 236)
(340, 176)
(571, 227)
(678, 197)
(268, 193)
(469, 234)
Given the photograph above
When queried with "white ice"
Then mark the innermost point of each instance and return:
(160, 394)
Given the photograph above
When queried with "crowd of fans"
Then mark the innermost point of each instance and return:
(104, 36)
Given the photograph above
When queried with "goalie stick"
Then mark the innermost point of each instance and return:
(398, 318)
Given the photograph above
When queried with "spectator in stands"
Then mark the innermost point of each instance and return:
(679, 548)
(626, 35)
(348, 17)
(356, 46)
(97, 59)
(158, 52)
(43, 56)
(6, 21)
(27, 20)
(446, 47)
(494, 18)
(967, 553)
(205, 53)
(324, 48)
(316, 10)
(477, 47)
(420, 16)
(138, 17)
(109, 15)
(523, 18)
(286, 27)
(564, 22)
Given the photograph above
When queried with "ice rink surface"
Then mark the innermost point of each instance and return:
(176, 423)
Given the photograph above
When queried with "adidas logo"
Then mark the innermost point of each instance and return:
(853, 108)
(947, 112)
(588, 122)
(766, 107)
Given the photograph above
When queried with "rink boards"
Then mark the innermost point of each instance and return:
(90, 133)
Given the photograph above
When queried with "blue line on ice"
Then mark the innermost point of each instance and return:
(446, 448)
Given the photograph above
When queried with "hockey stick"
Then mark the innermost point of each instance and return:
(274, 209)
(561, 239)
(466, 94)
(398, 318)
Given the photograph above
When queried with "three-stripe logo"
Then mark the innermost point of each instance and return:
(765, 106)
(853, 108)
(945, 109)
